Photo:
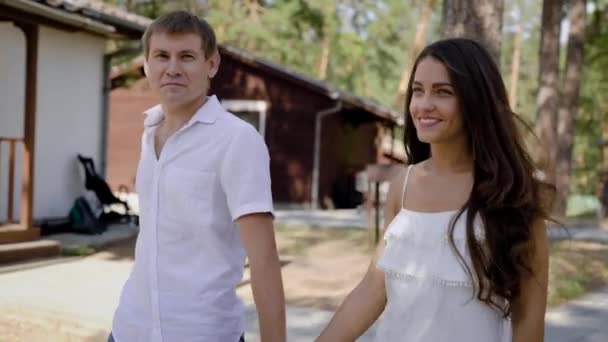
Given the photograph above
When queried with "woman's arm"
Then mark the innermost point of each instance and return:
(366, 302)
(528, 311)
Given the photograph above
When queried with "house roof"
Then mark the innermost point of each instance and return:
(90, 15)
(324, 88)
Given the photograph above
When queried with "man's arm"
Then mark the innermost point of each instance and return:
(257, 234)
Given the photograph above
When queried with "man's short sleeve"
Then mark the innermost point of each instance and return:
(245, 174)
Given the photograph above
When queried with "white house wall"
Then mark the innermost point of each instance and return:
(12, 80)
(68, 114)
(12, 96)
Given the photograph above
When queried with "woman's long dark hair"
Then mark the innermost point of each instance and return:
(506, 195)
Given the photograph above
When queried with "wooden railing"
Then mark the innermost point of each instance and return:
(12, 143)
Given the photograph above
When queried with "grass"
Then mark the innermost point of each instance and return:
(575, 267)
(297, 239)
(582, 205)
(79, 250)
(570, 288)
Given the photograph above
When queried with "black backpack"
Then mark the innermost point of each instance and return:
(83, 220)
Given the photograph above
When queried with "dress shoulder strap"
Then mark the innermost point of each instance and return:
(407, 176)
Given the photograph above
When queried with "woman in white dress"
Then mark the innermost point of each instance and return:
(465, 253)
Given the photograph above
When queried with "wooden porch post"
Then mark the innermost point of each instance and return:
(31, 32)
(379, 141)
(11, 180)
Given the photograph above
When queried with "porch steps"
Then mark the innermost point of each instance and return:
(13, 233)
(18, 244)
(20, 251)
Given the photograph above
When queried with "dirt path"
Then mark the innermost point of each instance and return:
(322, 275)
(67, 299)
(73, 299)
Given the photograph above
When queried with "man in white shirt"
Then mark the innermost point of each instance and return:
(205, 204)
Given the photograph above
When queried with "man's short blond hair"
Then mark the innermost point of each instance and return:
(178, 22)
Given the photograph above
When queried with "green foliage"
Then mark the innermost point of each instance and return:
(572, 288)
(593, 102)
(369, 39)
(370, 45)
(593, 108)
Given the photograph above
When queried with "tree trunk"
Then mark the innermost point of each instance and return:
(604, 142)
(130, 4)
(254, 10)
(200, 7)
(602, 187)
(419, 39)
(570, 95)
(548, 87)
(253, 13)
(363, 76)
(329, 11)
(324, 62)
(225, 7)
(476, 19)
(515, 63)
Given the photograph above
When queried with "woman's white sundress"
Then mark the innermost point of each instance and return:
(430, 297)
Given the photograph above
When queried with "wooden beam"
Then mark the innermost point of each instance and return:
(11, 180)
(19, 18)
(29, 153)
(378, 142)
(58, 19)
(1, 170)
